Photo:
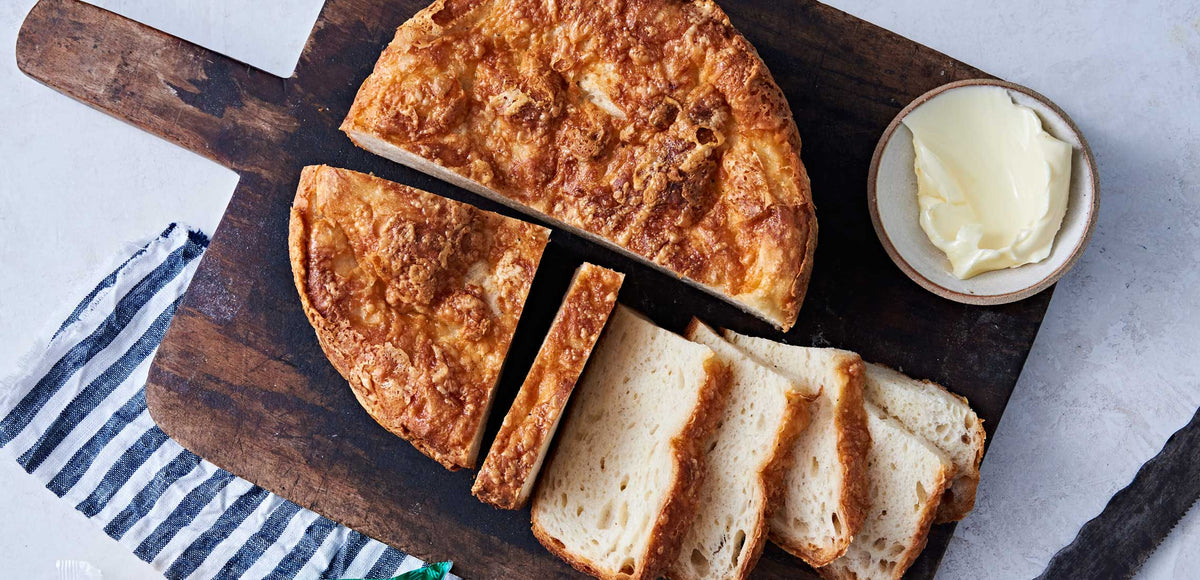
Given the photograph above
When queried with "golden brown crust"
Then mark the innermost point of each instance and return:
(853, 444)
(652, 124)
(772, 479)
(531, 421)
(959, 499)
(414, 299)
(688, 450)
(676, 516)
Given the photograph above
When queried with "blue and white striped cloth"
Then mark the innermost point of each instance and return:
(75, 418)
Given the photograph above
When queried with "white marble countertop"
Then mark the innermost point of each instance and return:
(1113, 373)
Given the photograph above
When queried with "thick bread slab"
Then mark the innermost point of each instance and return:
(620, 488)
(942, 418)
(414, 299)
(906, 478)
(651, 126)
(511, 467)
(746, 458)
(825, 490)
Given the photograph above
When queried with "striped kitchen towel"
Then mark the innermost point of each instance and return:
(74, 416)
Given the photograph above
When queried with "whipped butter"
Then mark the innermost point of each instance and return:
(991, 183)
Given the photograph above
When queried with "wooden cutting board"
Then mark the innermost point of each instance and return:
(240, 378)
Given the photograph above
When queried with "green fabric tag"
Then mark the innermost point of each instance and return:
(436, 571)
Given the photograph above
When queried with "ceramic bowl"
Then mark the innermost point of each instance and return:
(892, 199)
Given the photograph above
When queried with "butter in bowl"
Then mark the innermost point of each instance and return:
(983, 192)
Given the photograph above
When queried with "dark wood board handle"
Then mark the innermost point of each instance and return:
(241, 380)
(188, 95)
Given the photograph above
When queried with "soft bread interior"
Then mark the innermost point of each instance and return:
(753, 438)
(614, 470)
(817, 518)
(389, 151)
(944, 419)
(906, 477)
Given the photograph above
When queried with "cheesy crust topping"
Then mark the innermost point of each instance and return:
(414, 298)
(511, 467)
(649, 124)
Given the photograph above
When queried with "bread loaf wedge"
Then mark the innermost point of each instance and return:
(511, 467)
(906, 476)
(942, 418)
(746, 458)
(652, 127)
(620, 487)
(825, 490)
(414, 298)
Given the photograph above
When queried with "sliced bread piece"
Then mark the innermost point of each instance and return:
(825, 491)
(906, 476)
(507, 476)
(942, 418)
(746, 458)
(621, 486)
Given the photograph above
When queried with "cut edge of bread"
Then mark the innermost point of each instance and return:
(397, 154)
(471, 459)
(915, 544)
(959, 499)
(675, 514)
(853, 444)
(853, 441)
(495, 484)
(771, 476)
(676, 518)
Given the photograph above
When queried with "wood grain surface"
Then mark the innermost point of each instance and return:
(240, 378)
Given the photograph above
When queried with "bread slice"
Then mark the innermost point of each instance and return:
(906, 476)
(620, 489)
(825, 490)
(942, 418)
(746, 458)
(691, 165)
(414, 298)
(507, 476)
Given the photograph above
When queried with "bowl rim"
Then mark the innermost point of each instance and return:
(981, 299)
